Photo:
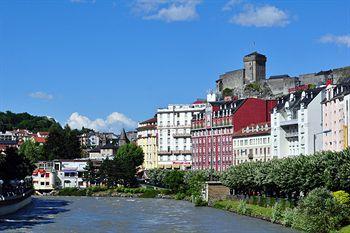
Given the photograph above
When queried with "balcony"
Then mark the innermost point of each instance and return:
(181, 135)
(289, 122)
(292, 135)
(175, 152)
(164, 152)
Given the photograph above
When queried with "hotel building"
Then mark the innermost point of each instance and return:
(174, 135)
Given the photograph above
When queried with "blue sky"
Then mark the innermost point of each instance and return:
(110, 63)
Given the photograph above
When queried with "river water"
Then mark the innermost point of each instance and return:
(110, 214)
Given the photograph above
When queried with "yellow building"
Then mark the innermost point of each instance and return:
(147, 140)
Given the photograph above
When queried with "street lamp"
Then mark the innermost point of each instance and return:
(326, 131)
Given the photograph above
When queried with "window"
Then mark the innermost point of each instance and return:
(47, 183)
(42, 183)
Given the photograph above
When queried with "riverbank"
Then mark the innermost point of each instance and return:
(101, 191)
(251, 210)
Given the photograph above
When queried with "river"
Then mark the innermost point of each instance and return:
(110, 214)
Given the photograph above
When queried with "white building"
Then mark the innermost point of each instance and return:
(174, 134)
(70, 173)
(44, 177)
(7, 136)
(252, 143)
(295, 122)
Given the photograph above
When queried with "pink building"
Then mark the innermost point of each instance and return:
(335, 108)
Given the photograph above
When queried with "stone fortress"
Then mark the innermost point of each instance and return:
(251, 81)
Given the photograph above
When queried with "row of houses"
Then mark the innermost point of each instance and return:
(218, 134)
(17, 137)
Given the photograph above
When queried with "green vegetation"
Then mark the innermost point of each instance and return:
(184, 184)
(121, 170)
(72, 192)
(227, 92)
(242, 207)
(14, 166)
(32, 151)
(291, 177)
(319, 212)
(342, 197)
(144, 192)
(345, 229)
(62, 143)
(11, 121)
(255, 86)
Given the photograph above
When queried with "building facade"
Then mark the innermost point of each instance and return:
(174, 135)
(70, 173)
(147, 140)
(213, 129)
(296, 122)
(336, 114)
(252, 143)
(44, 177)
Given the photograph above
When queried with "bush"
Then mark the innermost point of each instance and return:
(94, 189)
(149, 193)
(319, 212)
(255, 200)
(72, 192)
(198, 201)
(342, 197)
(243, 208)
(277, 212)
(174, 180)
(288, 217)
(180, 196)
(262, 201)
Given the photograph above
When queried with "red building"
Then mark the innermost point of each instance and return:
(212, 130)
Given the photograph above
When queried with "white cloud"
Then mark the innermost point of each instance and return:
(113, 123)
(231, 4)
(263, 16)
(339, 40)
(41, 95)
(167, 10)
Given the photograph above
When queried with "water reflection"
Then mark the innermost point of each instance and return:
(40, 211)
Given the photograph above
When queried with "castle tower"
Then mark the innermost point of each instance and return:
(254, 67)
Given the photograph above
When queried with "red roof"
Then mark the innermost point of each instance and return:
(198, 102)
(39, 139)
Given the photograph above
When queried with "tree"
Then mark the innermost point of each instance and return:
(11, 121)
(174, 180)
(14, 166)
(227, 92)
(32, 151)
(128, 159)
(62, 143)
(90, 175)
(108, 172)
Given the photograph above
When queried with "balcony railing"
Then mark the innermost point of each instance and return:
(289, 122)
(181, 135)
(292, 134)
(176, 152)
